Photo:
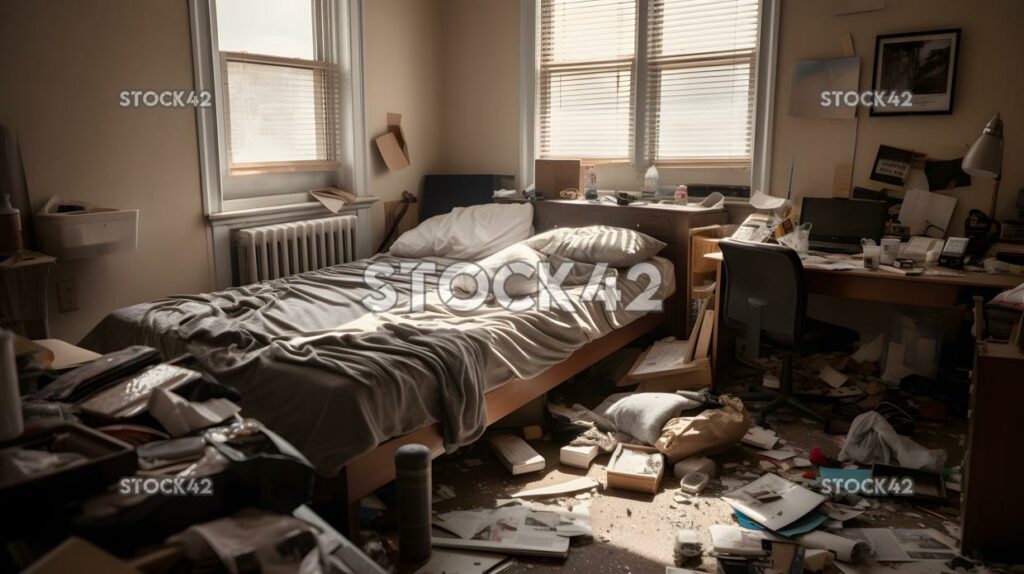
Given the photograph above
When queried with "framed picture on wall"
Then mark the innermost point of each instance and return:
(915, 73)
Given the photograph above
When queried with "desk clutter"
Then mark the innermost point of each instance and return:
(102, 445)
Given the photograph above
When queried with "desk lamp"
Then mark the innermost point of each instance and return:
(985, 160)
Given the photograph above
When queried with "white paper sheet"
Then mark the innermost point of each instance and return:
(728, 539)
(664, 355)
(760, 200)
(790, 503)
(512, 529)
(921, 208)
(832, 377)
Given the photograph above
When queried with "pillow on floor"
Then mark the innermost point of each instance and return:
(467, 233)
(616, 246)
(642, 415)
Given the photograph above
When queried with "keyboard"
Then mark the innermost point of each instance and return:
(830, 247)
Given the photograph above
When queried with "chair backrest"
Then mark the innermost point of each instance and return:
(763, 284)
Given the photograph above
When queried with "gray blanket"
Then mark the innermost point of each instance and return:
(318, 367)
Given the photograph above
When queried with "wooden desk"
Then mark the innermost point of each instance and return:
(884, 287)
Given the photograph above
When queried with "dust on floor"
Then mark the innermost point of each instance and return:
(635, 533)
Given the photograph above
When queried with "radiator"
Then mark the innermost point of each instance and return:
(283, 249)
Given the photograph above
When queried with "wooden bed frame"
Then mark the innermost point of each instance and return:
(376, 468)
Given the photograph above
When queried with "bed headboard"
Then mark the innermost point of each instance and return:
(442, 193)
(671, 225)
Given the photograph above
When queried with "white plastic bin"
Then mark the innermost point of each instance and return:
(85, 233)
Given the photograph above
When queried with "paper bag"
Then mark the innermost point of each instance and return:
(714, 430)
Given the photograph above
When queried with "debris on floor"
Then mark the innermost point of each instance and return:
(744, 498)
(571, 487)
(761, 438)
(636, 467)
(578, 456)
(516, 454)
(688, 548)
(515, 528)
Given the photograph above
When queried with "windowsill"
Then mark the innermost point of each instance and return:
(289, 209)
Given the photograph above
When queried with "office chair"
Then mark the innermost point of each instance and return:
(765, 297)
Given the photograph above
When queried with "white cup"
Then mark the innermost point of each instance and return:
(890, 251)
(872, 256)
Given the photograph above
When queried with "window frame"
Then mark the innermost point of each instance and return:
(764, 72)
(267, 186)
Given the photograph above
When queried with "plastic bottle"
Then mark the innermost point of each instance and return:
(651, 180)
(10, 227)
(590, 183)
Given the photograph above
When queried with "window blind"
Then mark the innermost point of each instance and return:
(700, 80)
(279, 86)
(277, 112)
(585, 78)
(683, 79)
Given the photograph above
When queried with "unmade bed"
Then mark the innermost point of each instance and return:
(315, 364)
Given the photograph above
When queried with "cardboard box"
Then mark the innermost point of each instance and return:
(693, 377)
(690, 376)
(647, 483)
(392, 145)
(551, 176)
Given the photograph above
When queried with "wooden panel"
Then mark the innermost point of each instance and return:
(992, 496)
(883, 288)
(376, 468)
(551, 176)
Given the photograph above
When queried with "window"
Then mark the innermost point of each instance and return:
(280, 86)
(671, 82)
(287, 105)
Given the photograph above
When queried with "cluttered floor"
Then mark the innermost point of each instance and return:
(580, 517)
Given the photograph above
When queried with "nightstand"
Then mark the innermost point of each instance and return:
(23, 293)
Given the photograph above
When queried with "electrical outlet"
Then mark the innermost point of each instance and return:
(67, 295)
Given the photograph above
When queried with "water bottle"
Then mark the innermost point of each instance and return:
(590, 183)
(651, 181)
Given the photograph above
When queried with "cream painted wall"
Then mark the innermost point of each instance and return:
(990, 79)
(403, 55)
(63, 64)
(480, 48)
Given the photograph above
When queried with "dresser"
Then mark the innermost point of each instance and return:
(993, 497)
(668, 223)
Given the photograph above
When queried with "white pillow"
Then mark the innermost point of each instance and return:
(467, 233)
(616, 246)
(516, 285)
(643, 415)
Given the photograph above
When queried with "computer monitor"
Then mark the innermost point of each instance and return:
(840, 220)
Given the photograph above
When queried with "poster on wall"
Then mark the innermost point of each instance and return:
(915, 73)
